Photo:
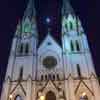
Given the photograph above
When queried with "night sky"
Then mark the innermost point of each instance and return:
(12, 10)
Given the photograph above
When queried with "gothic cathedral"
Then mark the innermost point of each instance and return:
(50, 71)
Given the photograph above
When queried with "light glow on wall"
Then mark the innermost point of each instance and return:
(42, 97)
(10, 96)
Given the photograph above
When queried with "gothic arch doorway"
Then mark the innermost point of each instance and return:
(50, 96)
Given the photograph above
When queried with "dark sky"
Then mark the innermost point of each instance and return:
(12, 10)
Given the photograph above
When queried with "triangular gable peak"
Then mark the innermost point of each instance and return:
(50, 86)
(83, 87)
(93, 76)
(49, 43)
(18, 88)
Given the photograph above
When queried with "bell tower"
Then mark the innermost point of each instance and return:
(22, 60)
(79, 68)
(75, 45)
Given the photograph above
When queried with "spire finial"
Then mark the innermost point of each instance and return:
(48, 23)
(49, 30)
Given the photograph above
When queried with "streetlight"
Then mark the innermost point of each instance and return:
(10, 96)
(42, 97)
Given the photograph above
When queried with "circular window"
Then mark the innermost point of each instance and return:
(49, 62)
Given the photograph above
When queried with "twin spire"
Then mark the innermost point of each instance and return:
(29, 17)
(30, 10)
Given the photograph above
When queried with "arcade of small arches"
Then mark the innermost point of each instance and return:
(50, 77)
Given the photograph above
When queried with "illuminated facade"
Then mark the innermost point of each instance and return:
(49, 71)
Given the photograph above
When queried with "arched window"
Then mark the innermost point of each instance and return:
(84, 97)
(27, 48)
(77, 46)
(58, 77)
(41, 77)
(72, 46)
(18, 97)
(53, 77)
(71, 25)
(46, 77)
(50, 96)
(49, 76)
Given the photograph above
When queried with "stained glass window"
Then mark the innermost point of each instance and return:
(49, 62)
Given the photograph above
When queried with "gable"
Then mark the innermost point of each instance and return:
(81, 87)
(49, 44)
(50, 86)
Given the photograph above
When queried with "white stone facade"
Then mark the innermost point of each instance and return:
(50, 70)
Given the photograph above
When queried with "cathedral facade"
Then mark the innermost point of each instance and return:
(50, 71)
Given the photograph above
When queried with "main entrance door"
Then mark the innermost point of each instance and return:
(50, 96)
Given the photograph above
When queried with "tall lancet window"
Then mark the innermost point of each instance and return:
(27, 49)
(78, 70)
(72, 46)
(21, 73)
(71, 25)
(21, 48)
(66, 27)
(77, 46)
(18, 97)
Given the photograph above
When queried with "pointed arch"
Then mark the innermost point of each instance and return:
(46, 77)
(50, 96)
(58, 77)
(53, 77)
(49, 76)
(42, 78)
(84, 96)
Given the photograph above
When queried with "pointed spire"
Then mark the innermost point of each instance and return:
(19, 29)
(30, 10)
(67, 9)
(28, 24)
